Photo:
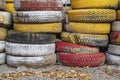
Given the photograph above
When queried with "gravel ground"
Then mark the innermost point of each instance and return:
(58, 72)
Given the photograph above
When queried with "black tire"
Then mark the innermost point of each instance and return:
(30, 38)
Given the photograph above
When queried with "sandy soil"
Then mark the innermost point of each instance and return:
(58, 72)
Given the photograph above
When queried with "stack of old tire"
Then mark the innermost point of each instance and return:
(10, 6)
(88, 29)
(32, 42)
(5, 22)
(113, 53)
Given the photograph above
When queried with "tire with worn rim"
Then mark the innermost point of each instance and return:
(30, 38)
(85, 39)
(37, 16)
(31, 62)
(81, 60)
(29, 49)
(75, 48)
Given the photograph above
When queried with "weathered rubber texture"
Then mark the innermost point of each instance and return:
(93, 28)
(115, 38)
(2, 5)
(10, 7)
(2, 46)
(116, 26)
(30, 38)
(45, 28)
(5, 19)
(2, 58)
(107, 4)
(112, 59)
(92, 15)
(114, 49)
(66, 2)
(38, 5)
(3, 33)
(31, 62)
(31, 50)
(85, 39)
(81, 60)
(118, 15)
(75, 48)
(9, 1)
(37, 16)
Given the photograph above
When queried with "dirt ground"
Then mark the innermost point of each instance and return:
(59, 72)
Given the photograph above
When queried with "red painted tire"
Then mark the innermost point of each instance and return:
(82, 60)
(75, 48)
(115, 37)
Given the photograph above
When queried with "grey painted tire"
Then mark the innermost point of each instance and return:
(2, 58)
(114, 49)
(30, 50)
(31, 62)
(112, 59)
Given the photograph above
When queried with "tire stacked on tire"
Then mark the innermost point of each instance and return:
(113, 53)
(32, 42)
(89, 25)
(5, 22)
(10, 6)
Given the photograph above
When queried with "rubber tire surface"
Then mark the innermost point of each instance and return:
(92, 15)
(9, 1)
(31, 62)
(116, 26)
(30, 38)
(39, 5)
(2, 46)
(85, 39)
(31, 50)
(107, 4)
(43, 28)
(114, 49)
(115, 38)
(75, 48)
(92, 28)
(81, 60)
(2, 5)
(2, 58)
(37, 16)
(3, 33)
(112, 59)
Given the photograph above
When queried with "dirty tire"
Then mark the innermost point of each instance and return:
(81, 60)
(115, 38)
(30, 38)
(75, 48)
(10, 7)
(116, 26)
(85, 39)
(2, 46)
(3, 33)
(31, 62)
(2, 58)
(29, 49)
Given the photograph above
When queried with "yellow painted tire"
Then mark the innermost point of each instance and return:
(93, 28)
(107, 4)
(118, 14)
(10, 7)
(92, 15)
(9, 1)
(3, 33)
(47, 28)
(85, 39)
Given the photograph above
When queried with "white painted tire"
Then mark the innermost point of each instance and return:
(116, 26)
(37, 16)
(2, 58)
(114, 49)
(33, 62)
(112, 59)
(2, 46)
(29, 49)
(5, 19)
